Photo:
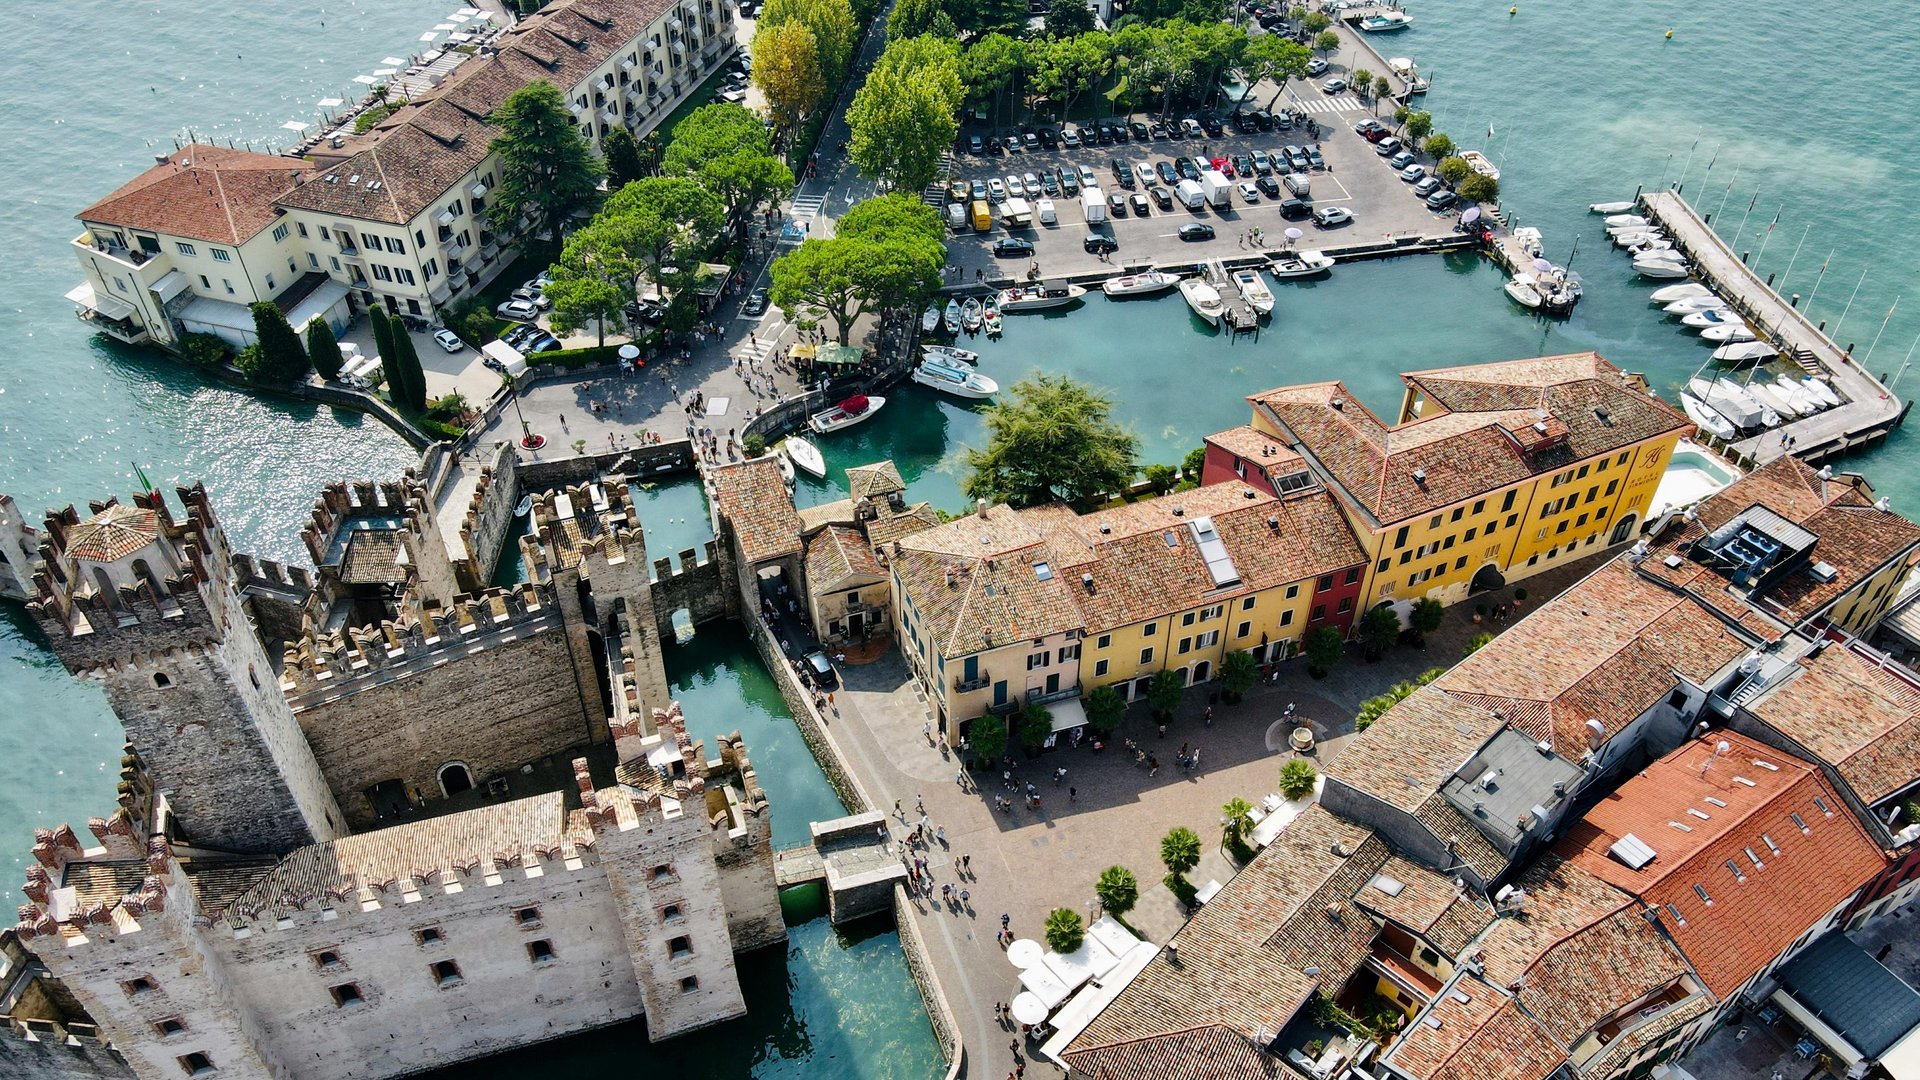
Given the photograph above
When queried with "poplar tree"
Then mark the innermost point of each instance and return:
(323, 348)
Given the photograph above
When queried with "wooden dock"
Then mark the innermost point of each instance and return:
(1868, 412)
(1239, 316)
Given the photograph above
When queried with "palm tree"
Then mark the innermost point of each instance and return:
(1065, 930)
(1180, 850)
(1117, 889)
(1234, 821)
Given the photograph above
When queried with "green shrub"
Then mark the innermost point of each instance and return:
(1475, 644)
(755, 445)
(204, 350)
(365, 121)
(1297, 778)
(575, 359)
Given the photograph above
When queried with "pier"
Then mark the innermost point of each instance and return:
(1238, 316)
(1868, 413)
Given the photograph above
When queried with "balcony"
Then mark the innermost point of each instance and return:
(131, 258)
(1036, 697)
(968, 686)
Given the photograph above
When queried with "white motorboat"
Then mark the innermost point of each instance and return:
(786, 467)
(1039, 296)
(1611, 207)
(1726, 333)
(1385, 22)
(953, 316)
(1667, 294)
(930, 319)
(1479, 163)
(1559, 290)
(1204, 299)
(1529, 239)
(1819, 388)
(1633, 237)
(1705, 302)
(1732, 401)
(1522, 291)
(1770, 396)
(972, 315)
(1618, 231)
(1649, 242)
(1745, 352)
(525, 507)
(854, 410)
(1801, 394)
(947, 354)
(1253, 289)
(1659, 269)
(1153, 281)
(954, 379)
(1292, 264)
(1616, 221)
(1702, 414)
(805, 455)
(1702, 319)
(990, 316)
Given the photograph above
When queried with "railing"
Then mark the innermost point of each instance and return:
(968, 686)
(129, 256)
(1036, 697)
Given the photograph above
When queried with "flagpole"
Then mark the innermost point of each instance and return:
(1769, 234)
(1849, 307)
(1904, 365)
(1663, 170)
(1729, 192)
(1682, 182)
(1876, 336)
(1796, 255)
(1819, 279)
(1735, 246)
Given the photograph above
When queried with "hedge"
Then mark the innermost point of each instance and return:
(591, 356)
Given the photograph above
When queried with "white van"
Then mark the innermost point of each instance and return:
(1043, 208)
(956, 215)
(1298, 184)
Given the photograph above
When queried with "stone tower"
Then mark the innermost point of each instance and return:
(147, 607)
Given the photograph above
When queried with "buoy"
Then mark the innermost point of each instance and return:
(1669, 35)
(1514, 10)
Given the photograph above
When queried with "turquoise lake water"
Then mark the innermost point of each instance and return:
(1587, 102)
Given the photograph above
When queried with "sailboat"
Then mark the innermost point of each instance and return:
(1702, 414)
(805, 455)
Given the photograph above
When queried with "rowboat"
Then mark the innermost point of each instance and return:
(949, 355)
(953, 316)
(1253, 289)
(971, 314)
(1479, 163)
(930, 319)
(1204, 299)
(852, 411)
(1153, 281)
(525, 507)
(805, 455)
(991, 316)
(953, 379)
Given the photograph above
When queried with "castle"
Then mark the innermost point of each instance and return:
(373, 820)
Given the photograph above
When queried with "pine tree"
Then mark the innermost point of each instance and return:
(323, 348)
(283, 358)
(407, 360)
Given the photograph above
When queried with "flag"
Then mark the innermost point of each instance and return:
(1776, 219)
(1489, 131)
(1750, 202)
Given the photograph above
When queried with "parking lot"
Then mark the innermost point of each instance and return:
(1354, 176)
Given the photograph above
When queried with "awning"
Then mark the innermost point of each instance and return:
(107, 306)
(840, 355)
(316, 304)
(1067, 714)
(478, 190)
(170, 285)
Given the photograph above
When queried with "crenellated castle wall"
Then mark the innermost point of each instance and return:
(407, 506)
(488, 519)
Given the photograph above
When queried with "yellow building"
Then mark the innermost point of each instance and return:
(1006, 607)
(1490, 473)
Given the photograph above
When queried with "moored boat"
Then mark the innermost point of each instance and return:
(1620, 207)
(954, 379)
(1659, 269)
(1153, 281)
(1292, 264)
(1668, 294)
(786, 467)
(853, 410)
(805, 455)
(1253, 289)
(1727, 332)
(972, 315)
(1691, 304)
(1706, 317)
(1385, 22)
(953, 315)
(1819, 388)
(1745, 352)
(1039, 296)
(1769, 395)
(930, 319)
(1521, 290)
(1615, 221)
(990, 316)
(950, 355)
(1479, 163)
(525, 507)
(1732, 401)
(1702, 414)
(1204, 299)
(1800, 391)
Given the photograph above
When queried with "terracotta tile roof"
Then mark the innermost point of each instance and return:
(1269, 454)
(889, 527)
(836, 555)
(374, 556)
(972, 583)
(1211, 1052)
(1614, 1059)
(1605, 650)
(819, 516)
(1404, 757)
(1241, 955)
(1746, 799)
(1473, 437)
(112, 534)
(206, 193)
(1429, 904)
(879, 478)
(1468, 843)
(1486, 1035)
(752, 496)
(1855, 713)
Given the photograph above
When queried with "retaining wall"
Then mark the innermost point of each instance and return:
(635, 462)
(946, 1031)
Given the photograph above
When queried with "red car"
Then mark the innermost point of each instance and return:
(1224, 166)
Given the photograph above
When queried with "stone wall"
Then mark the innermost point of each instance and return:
(700, 585)
(276, 597)
(806, 717)
(946, 1032)
(43, 1050)
(488, 518)
(638, 462)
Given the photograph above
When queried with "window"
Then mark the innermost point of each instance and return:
(196, 1064)
(397, 246)
(325, 959)
(1207, 640)
(1458, 511)
(1679, 919)
(169, 1027)
(1247, 604)
(540, 952)
(1346, 604)
(313, 261)
(1286, 618)
(1187, 619)
(161, 681)
(1319, 611)
(346, 994)
(1212, 611)
(671, 914)
(280, 231)
(1382, 568)
(139, 984)
(663, 872)
(369, 240)
(445, 972)
(302, 226)
(1353, 577)
(1771, 846)
(1146, 656)
(680, 948)
(1582, 474)
(1701, 891)
(1447, 543)
(228, 282)
(1293, 591)
(431, 269)
(404, 275)
(1149, 631)
(527, 916)
(1406, 557)
(1400, 537)
(1186, 646)
(1506, 504)
(186, 249)
(1468, 538)
(428, 935)
(689, 985)
(1622, 459)
(1043, 571)
(222, 255)
(1036, 660)
(1734, 869)
(1434, 523)
(381, 273)
(1099, 668)
(270, 285)
(1068, 652)
(1243, 629)
(1478, 506)
(1754, 859)
(1822, 804)
(1105, 641)
(1460, 563)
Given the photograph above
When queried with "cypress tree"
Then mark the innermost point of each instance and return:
(383, 341)
(283, 358)
(323, 348)
(408, 360)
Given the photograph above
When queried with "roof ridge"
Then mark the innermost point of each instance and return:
(386, 189)
(226, 208)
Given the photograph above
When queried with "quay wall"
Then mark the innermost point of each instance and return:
(946, 1031)
(634, 462)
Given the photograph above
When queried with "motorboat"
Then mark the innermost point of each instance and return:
(947, 354)
(1746, 352)
(1727, 332)
(1732, 401)
(1410, 73)
(1820, 389)
(1659, 269)
(1529, 239)
(849, 412)
(1480, 163)
(1153, 281)
(805, 455)
(1642, 229)
(1039, 296)
(1770, 396)
(972, 314)
(1521, 289)
(990, 316)
(1616, 221)
(1802, 393)
(1667, 294)
(1634, 237)
(525, 507)
(1385, 22)
(930, 319)
(786, 468)
(953, 316)
(955, 379)
(1204, 299)
(1639, 245)
(1702, 414)
(1700, 320)
(1691, 304)
(1559, 290)
(1253, 289)
(1292, 264)
(1611, 207)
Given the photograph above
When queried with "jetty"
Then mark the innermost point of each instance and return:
(1869, 411)
(1239, 316)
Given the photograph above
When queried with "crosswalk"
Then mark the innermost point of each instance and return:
(1343, 103)
(807, 207)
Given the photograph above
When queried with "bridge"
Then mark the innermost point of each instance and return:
(854, 857)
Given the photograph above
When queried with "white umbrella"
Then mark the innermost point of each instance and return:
(1542, 265)
(1294, 234)
(1029, 1009)
(629, 352)
(1470, 215)
(1025, 953)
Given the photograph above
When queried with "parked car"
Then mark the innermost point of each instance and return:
(996, 190)
(518, 311)
(956, 190)
(525, 332)
(1015, 188)
(1161, 196)
(1186, 168)
(821, 669)
(1263, 120)
(1213, 125)
(1296, 159)
(1262, 164)
(1030, 140)
(756, 303)
(1069, 180)
(1191, 128)
(1328, 216)
(1242, 164)
(1296, 209)
(542, 342)
(976, 145)
(1195, 230)
(449, 341)
(1388, 146)
(1428, 186)
(1314, 159)
(1316, 66)
(1413, 173)
(1070, 137)
(1145, 171)
(1268, 186)
(1333, 85)
(1049, 138)
(1050, 183)
(1012, 247)
(1087, 179)
(1139, 204)
(1140, 131)
(1164, 169)
(1157, 130)
(1441, 199)
(1121, 133)
(1370, 129)
(1099, 242)
(1117, 204)
(1400, 160)
(1249, 193)
(978, 190)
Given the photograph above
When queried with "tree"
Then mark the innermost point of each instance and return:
(1238, 672)
(1297, 778)
(406, 362)
(1476, 643)
(659, 222)
(902, 119)
(1180, 851)
(1164, 692)
(623, 157)
(1375, 707)
(1118, 890)
(1477, 187)
(1271, 56)
(1105, 708)
(547, 169)
(988, 737)
(1068, 67)
(1439, 146)
(1050, 437)
(1194, 463)
(323, 349)
(282, 357)
(593, 280)
(1417, 125)
(1160, 477)
(1426, 617)
(1453, 169)
(991, 65)
(1065, 930)
(1326, 41)
(1361, 80)
(1324, 649)
(1234, 821)
(1316, 22)
(835, 30)
(1069, 17)
(1036, 723)
(1379, 629)
(1382, 86)
(986, 17)
(727, 149)
(912, 18)
(786, 68)
(383, 345)
(910, 247)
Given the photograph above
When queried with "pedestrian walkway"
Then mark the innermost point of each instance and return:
(1343, 103)
(806, 207)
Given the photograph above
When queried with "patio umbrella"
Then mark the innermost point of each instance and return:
(1029, 1009)
(1293, 235)
(1025, 953)
(1470, 215)
(629, 352)
(1542, 266)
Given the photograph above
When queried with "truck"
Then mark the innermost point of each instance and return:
(1044, 208)
(1093, 202)
(1016, 214)
(1191, 194)
(1218, 190)
(982, 216)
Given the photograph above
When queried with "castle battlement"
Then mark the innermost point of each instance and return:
(251, 571)
(63, 912)
(404, 500)
(578, 523)
(470, 521)
(707, 552)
